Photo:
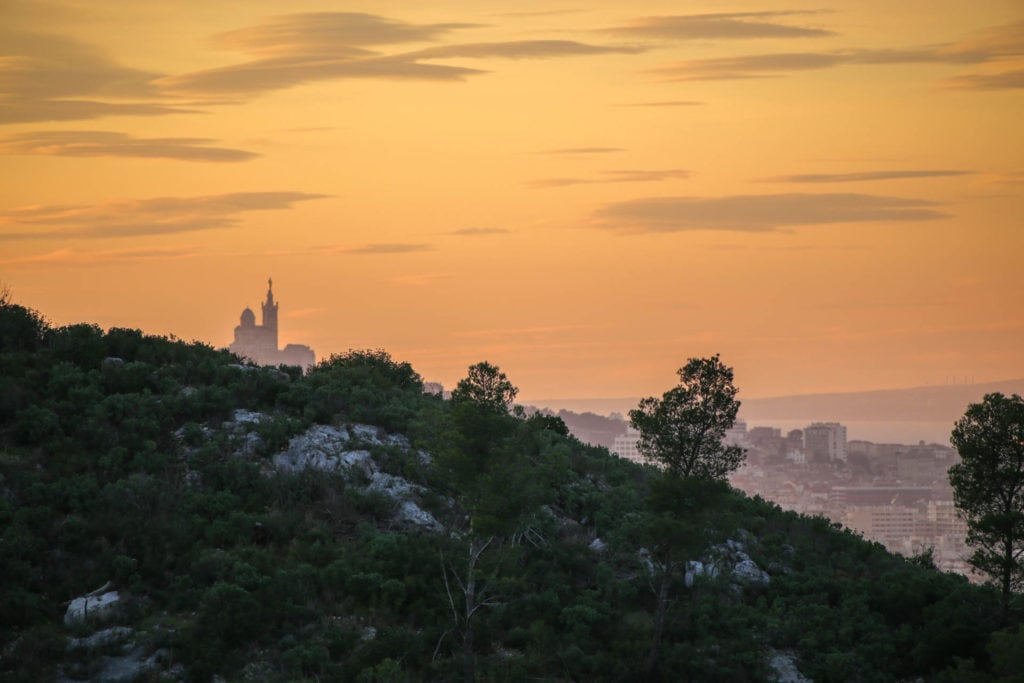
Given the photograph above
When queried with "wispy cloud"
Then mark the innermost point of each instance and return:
(571, 151)
(1009, 178)
(522, 49)
(478, 232)
(545, 13)
(15, 110)
(84, 143)
(996, 81)
(773, 64)
(759, 213)
(50, 78)
(101, 258)
(865, 176)
(618, 176)
(302, 48)
(388, 248)
(336, 33)
(251, 78)
(731, 26)
(141, 217)
(993, 45)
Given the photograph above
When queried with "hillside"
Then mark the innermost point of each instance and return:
(169, 513)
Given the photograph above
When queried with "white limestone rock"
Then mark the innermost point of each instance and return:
(108, 636)
(92, 608)
(784, 670)
(597, 545)
(747, 573)
(244, 417)
(367, 434)
(695, 569)
(324, 448)
(411, 513)
(128, 668)
(392, 486)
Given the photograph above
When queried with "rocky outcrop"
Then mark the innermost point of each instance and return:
(93, 607)
(783, 668)
(324, 448)
(114, 635)
(731, 559)
(331, 449)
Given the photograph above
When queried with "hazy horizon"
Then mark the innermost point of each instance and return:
(586, 196)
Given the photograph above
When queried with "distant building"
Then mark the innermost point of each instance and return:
(625, 446)
(825, 442)
(736, 435)
(258, 343)
(435, 388)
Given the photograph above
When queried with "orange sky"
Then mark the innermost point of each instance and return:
(584, 193)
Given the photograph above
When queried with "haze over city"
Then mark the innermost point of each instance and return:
(585, 193)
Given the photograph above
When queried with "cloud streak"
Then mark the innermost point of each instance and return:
(522, 49)
(729, 26)
(479, 232)
(864, 176)
(759, 213)
(295, 49)
(324, 33)
(620, 176)
(1006, 80)
(51, 78)
(997, 44)
(142, 217)
(82, 143)
(773, 64)
(388, 248)
(73, 257)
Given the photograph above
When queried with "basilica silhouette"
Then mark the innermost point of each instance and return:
(258, 343)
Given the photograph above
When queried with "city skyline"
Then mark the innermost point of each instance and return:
(585, 195)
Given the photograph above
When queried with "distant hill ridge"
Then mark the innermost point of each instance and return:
(936, 403)
(929, 403)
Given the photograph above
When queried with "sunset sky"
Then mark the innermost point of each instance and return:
(583, 193)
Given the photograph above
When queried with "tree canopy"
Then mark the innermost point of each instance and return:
(486, 386)
(988, 487)
(683, 430)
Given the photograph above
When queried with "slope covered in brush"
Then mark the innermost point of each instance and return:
(258, 524)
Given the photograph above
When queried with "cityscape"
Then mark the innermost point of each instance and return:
(896, 494)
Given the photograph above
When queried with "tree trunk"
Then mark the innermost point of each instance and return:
(1007, 576)
(468, 657)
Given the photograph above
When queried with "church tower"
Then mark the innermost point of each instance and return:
(270, 315)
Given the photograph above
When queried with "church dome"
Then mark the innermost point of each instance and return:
(248, 318)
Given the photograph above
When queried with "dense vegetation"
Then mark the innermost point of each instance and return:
(122, 460)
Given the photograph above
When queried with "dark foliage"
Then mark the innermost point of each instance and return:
(116, 465)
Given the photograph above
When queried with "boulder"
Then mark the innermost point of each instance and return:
(93, 607)
(747, 573)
